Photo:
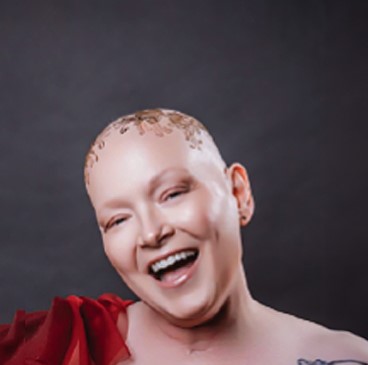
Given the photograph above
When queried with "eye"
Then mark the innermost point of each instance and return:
(172, 194)
(118, 221)
(114, 222)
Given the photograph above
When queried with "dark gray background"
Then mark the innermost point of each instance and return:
(283, 86)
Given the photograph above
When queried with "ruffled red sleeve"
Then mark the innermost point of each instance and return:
(75, 331)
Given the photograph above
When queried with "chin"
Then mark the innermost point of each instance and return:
(192, 310)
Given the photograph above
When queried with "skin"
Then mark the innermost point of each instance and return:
(154, 195)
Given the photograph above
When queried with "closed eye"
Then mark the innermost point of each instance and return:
(114, 222)
(174, 194)
(118, 221)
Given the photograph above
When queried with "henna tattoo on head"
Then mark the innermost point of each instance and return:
(150, 120)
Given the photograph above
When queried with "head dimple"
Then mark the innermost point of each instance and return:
(158, 121)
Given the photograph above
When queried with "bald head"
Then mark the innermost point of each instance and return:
(157, 122)
(158, 185)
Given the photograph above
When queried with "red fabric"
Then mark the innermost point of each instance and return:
(75, 331)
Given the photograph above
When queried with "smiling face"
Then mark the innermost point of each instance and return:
(169, 218)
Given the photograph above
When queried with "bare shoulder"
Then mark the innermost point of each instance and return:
(331, 346)
(126, 318)
(314, 344)
(342, 343)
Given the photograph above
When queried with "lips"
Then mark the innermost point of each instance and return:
(171, 267)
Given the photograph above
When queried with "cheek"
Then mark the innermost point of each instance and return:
(198, 215)
(119, 253)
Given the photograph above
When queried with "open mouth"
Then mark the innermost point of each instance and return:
(172, 267)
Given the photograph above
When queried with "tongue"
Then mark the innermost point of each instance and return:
(172, 275)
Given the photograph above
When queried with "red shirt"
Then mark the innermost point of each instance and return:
(74, 331)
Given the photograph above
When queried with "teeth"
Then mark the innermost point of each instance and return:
(170, 260)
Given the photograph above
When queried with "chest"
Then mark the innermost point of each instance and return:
(155, 353)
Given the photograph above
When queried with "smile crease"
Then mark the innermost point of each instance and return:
(172, 262)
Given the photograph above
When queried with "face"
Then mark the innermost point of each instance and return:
(169, 218)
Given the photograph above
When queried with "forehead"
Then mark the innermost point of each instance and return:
(158, 121)
(133, 150)
(130, 161)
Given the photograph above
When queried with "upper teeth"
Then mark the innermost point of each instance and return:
(170, 260)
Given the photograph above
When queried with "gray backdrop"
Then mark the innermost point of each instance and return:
(283, 86)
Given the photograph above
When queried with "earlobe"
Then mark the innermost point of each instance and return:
(241, 191)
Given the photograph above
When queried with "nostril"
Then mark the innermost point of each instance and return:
(166, 232)
(156, 237)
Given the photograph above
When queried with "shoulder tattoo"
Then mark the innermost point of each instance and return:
(334, 362)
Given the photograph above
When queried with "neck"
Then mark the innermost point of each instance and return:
(231, 323)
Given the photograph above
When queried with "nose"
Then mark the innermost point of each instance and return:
(154, 230)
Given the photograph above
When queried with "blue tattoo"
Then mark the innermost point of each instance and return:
(335, 362)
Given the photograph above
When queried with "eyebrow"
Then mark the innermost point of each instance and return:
(157, 178)
(152, 184)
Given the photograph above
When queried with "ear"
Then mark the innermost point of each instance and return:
(242, 192)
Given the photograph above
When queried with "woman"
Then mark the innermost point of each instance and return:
(170, 211)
